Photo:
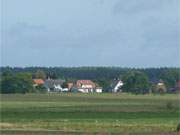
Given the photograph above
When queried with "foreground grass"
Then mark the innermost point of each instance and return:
(89, 114)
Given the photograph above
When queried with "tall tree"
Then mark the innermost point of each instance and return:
(135, 82)
(17, 83)
(40, 74)
(170, 77)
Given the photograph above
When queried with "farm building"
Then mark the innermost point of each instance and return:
(86, 86)
(54, 85)
(160, 87)
(177, 87)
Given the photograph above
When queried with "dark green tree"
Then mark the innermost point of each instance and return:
(170, 77)
(135, 82)
(17, 83)
(40, 74)
(104, 83)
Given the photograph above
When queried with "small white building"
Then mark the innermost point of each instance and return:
(117, 86)
(98, 90)
(64, 90)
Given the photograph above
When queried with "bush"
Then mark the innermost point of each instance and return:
(169, 105)
(178, 128)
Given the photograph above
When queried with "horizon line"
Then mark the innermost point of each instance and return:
(89, 67)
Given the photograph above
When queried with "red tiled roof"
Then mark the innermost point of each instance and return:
(85, 82)
(38, 81)
(178, 84)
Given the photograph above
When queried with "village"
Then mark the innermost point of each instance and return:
(88, 86)
(82, 86)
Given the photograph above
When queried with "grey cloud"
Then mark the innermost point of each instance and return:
(24, 28)
(139, 6)
(113, 33)
(23, 34)
(161, 32)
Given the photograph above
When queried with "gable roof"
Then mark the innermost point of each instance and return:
(50, 83)
(38, 81)
(85, 82)
(115, 82)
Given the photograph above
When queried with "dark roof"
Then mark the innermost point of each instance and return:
(114, 83)
(156, 81)
(50, 83)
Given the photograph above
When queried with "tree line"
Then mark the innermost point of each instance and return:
(136, 80)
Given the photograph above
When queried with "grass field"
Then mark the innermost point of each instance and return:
(65, 113)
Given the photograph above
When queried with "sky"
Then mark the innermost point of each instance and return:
(123, 33)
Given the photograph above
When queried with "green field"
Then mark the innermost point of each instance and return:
(65, 113)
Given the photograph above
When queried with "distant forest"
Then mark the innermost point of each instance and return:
(93, 73)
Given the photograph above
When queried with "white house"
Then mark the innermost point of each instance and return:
(86, 86)
(98, 90)
(117, 86)
(54, 85)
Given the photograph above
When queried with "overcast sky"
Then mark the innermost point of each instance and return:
(126, 33)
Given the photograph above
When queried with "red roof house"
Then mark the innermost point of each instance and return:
(85, 86)
(177, 85)
(38, 81)
(89, 83)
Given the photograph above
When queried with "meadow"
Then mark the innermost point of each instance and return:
(79, 114)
